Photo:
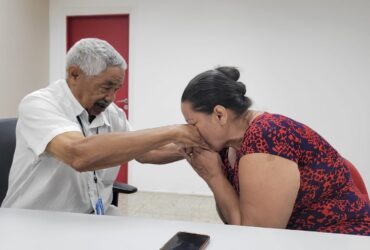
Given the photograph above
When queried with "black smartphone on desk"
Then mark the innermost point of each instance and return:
(186, 241)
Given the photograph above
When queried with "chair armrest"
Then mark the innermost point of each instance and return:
(119, 187)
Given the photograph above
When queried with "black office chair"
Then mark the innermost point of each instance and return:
(7, 147)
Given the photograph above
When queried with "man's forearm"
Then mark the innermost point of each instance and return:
(107, 150)
(166, 154)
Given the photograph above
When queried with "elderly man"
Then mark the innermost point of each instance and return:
(71, 137)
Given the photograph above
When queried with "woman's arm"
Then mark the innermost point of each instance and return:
(208, 165)
(268, 189)
(227, 201)
(220, 214)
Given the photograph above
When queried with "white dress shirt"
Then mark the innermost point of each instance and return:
(38, 180)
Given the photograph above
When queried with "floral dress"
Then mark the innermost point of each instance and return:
(328, 200)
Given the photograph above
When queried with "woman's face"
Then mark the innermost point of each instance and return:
(208, 125)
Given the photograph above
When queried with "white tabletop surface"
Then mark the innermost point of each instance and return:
(27, 229)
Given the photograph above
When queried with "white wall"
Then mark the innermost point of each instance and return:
(24, 51)
(305, 59)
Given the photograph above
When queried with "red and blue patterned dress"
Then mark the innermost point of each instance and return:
(328, 200)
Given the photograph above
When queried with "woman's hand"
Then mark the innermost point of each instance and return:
(206, 163)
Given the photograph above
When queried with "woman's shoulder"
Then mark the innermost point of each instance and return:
(274, 134)
(272, 118)
(274, 123)
(265, 122)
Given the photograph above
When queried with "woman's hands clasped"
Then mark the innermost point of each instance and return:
(195, 150)
(206, 163)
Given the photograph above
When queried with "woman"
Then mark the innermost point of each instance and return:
(270, 171)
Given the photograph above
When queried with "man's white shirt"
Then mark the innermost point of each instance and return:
(38, 180)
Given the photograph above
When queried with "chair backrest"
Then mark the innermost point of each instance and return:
(7, 147)
(357, 179)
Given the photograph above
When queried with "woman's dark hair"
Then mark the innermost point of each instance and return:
(217, 87)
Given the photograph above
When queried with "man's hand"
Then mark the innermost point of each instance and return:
(187, 136)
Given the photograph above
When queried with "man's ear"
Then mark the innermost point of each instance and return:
(220, 114)
(74, 73)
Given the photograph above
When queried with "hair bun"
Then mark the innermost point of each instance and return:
(241, 88)
(219, 86)
(233, 74)
(230, 72)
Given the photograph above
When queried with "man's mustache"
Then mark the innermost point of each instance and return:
(102, 103)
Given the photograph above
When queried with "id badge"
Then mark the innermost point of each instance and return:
(99, 207)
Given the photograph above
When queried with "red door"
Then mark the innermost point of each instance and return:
(115, 30)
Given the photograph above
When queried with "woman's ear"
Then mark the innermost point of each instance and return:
(220, 114)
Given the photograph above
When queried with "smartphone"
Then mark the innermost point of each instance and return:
(186, 241)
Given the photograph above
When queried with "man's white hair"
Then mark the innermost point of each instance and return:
(93, 56)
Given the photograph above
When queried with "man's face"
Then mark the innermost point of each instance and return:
(95, 93)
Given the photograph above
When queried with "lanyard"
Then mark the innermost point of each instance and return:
(99, 206)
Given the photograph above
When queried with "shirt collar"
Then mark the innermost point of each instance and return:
(99, 121)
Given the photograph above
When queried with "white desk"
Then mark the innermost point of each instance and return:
(27, 229)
